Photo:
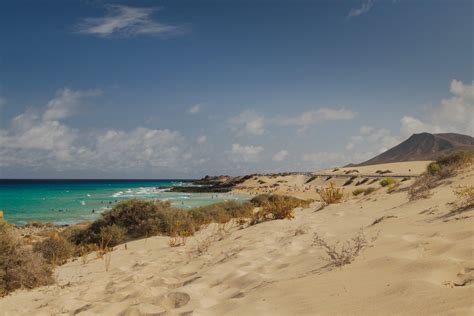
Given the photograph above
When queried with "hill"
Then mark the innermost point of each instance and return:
(424, 146)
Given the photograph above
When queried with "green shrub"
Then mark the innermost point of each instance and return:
(356, 192)
(433, 168)
(55, 249)
(20, 267)
(387, 182)
(136, 218)
(139, 218)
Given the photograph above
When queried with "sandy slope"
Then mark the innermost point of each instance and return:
(421, 263)
(305, 186)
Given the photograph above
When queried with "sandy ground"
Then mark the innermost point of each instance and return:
(307, 186)
(420, 262)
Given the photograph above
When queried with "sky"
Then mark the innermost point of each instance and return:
(182, 89)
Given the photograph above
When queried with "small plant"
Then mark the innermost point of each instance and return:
(174, 241)
(369, 190)
(341, 254)
(331, 194)
(84, 251)
(387, 182)
(433, 168)
(55, 249)
(108, 259)
(465, 195)
(356, 192)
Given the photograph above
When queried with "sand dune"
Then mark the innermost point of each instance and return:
(420, 263)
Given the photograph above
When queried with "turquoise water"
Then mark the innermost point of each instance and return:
(72, 201)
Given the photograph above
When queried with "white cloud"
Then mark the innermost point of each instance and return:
(65, 103)
(44, 131)
(126, 21)
(248, 123)
(455, 114)
(280, 156)
(365, 8)
(240, 153)
(138, 148)
(309, 118)
(38, 139)
(195, 109)
(201, 139)
(371, 140)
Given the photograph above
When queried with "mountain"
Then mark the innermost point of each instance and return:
(424, 146)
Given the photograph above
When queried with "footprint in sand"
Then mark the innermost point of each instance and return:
(173, 300)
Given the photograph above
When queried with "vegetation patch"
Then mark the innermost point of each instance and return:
(20, 267)
(340, 254)
(273, 207)
(387, 182)
(443, 168)
(331, 194)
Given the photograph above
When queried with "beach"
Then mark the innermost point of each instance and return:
(418, 259)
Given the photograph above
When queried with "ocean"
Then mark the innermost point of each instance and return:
(72, 201)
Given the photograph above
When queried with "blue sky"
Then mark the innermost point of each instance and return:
(161, 89)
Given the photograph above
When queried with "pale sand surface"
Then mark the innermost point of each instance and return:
(421, 263)
(306, 186)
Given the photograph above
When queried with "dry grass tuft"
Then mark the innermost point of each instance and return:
(331, 194)
(344, 253)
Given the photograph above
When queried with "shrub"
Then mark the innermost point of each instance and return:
(341, 254)
(356, 192)
(55, 249)
(444, 167)
(113, 235)
(457, 159)
(433, 168)
(135, 218)
(387, 182)
(139, 218)
(19, 266)
(331, 194)
(273, 206)
(369, 190)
